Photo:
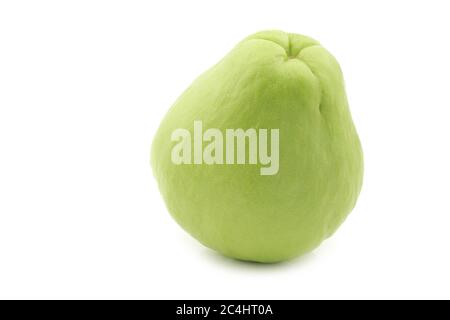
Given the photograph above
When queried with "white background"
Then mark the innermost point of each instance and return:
(84, 85)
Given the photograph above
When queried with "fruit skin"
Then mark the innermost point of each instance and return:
(271, 79)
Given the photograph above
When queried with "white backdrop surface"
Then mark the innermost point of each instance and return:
(84, 85)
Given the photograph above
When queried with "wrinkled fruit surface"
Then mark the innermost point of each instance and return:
(271, 79)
